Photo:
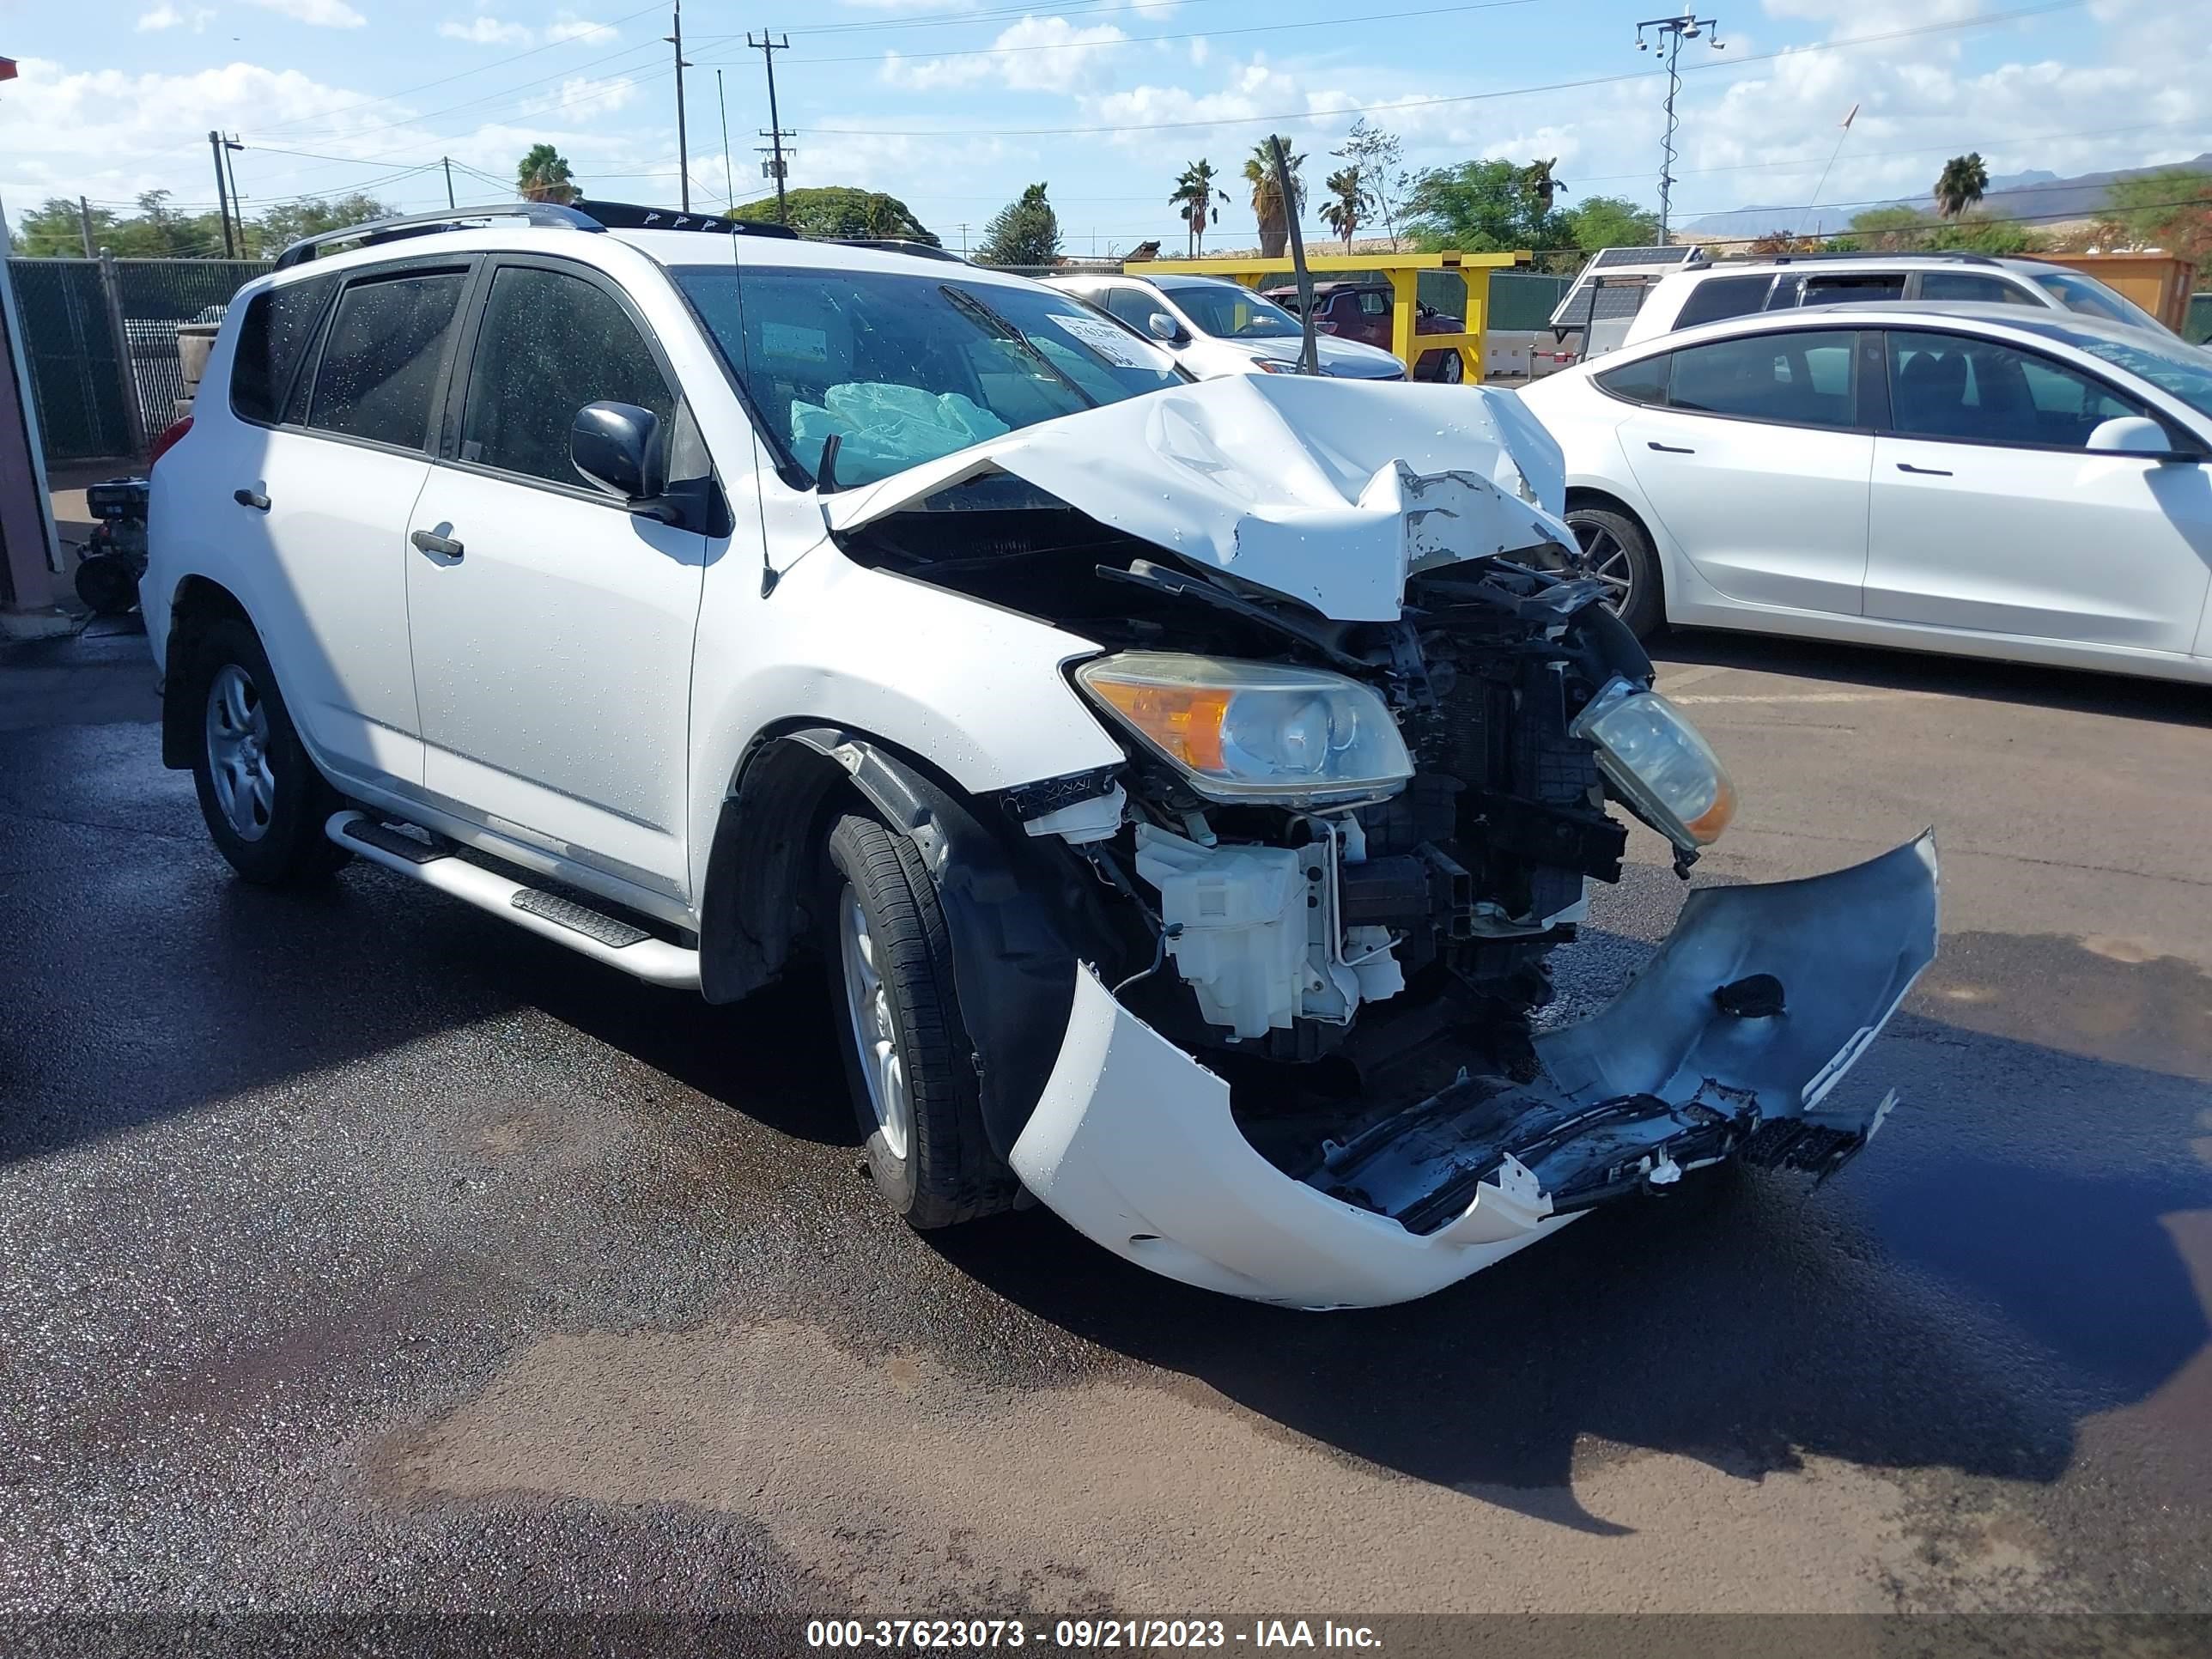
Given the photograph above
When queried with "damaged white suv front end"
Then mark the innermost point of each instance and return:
(1372, 721)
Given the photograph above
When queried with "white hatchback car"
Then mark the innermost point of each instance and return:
(1215, 327)
(1139, 762)
(1987, 480)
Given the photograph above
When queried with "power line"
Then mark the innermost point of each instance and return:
(1144, 40)
(582, 30)
(1985, 20)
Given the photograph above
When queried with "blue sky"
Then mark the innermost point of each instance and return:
(954, 105)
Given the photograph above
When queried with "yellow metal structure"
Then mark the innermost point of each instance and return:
(1403, 271)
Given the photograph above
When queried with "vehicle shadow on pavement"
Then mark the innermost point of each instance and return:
(2081, 690)
(1997, 1267)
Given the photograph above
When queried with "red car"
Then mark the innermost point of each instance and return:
(1361, 310)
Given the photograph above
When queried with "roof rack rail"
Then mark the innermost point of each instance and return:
(901, 245)
(575, 215)
(1950, 255)
(424, 224)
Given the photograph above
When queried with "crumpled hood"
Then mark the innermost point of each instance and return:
(1328, 491)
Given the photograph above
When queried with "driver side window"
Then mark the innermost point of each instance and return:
(1968, 389)
(1133, 305)
(551, 343)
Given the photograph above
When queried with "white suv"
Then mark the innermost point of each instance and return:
(1178, 786)
(1215, 327)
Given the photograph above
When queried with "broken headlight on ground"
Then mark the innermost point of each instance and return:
(1664, 770)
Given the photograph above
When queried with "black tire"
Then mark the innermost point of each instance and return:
(106, 584)
(1453, 369)
(1606, 530)
(290, 848)
(946, 1171)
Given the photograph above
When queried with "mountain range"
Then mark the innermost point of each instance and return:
(2034, 194)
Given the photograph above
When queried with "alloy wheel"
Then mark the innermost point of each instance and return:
(875, 1032)
(237, 752)
(1603, 557)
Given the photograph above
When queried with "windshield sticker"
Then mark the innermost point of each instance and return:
(787, 340)
(1108, 340)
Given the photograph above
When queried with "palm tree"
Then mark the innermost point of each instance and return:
(1268, 205)
(542, 175)
(1960, 184)
(1195, 193)
(1348, 203)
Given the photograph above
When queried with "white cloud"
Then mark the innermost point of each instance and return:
(583, 98)
(483, 31)
(1038, 54)
(166, 16)
(569, 27)
(318, 14)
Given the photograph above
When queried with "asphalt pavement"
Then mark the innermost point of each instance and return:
(358, 1253)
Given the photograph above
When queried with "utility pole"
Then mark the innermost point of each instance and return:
(1672, 32)
(84, 224)
(775, 134)
(221, 193)
(729, 188)
(683, 140)
(448, 161)
(237, 202)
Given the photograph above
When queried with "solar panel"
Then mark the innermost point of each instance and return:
(1675, 255)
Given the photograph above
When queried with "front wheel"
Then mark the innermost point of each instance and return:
(1453, 369)
(1613, 548)
(908, 1057)
(265, 802)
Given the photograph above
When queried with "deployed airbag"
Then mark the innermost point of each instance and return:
(882, 427)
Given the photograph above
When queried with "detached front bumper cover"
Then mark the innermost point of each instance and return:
(1132, 1143)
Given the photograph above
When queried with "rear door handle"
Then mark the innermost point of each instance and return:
(253, 498)
(1925, 471)
(429, 543)
(1669, 449)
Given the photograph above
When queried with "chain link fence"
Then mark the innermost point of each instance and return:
(100, 338)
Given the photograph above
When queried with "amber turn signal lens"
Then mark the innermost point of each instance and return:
(1183, 721)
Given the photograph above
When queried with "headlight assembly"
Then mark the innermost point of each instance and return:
(1254, 731)
(1667, 774)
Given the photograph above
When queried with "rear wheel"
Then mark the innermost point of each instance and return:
(265, 802)
(1452, 370)
(1613, 547)
(908, 1058)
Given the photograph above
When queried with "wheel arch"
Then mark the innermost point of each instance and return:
(196, 601)
(1005, 895)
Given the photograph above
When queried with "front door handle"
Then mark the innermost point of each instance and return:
(1925, 471)
(429, 542)
(1669, 449)
(253, 498)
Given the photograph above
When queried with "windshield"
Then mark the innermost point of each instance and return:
(904, 368)
(1228, 312)
(2179, 371)
(2092, 299)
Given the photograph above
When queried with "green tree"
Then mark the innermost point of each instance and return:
(52, 230)
(1194, 196)
(1024, 232)
(1481, 207)
(842, 211)
(1268, 206)
(2170, 210)
(1961, 184)
(1381, 158)
(1348, 203)
(1536, 179)
(542, 175)
(1601, 222)
(1886, 230)
(281, 226)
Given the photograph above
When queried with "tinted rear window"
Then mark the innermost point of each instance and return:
(380, 362)
(1725, 296)
(271, 340)
(1643, 382)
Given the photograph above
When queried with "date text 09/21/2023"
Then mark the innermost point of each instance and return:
(1086, 1633)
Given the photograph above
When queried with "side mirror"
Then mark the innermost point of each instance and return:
(618, 446)
(1164, 328)
(2131, 434)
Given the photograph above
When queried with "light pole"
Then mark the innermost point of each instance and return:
(1672, 32)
